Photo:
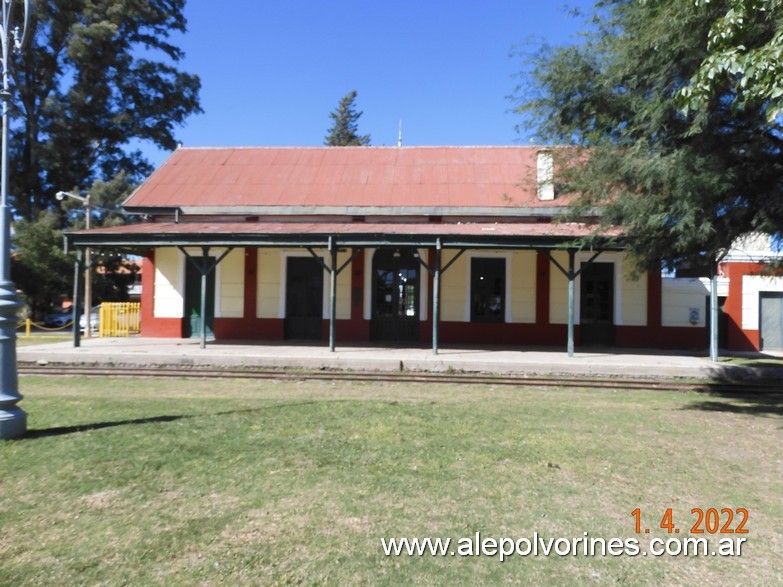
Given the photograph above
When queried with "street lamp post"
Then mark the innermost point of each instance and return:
(85, 200)
(13, 420)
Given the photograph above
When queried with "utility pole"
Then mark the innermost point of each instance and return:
(85, 200)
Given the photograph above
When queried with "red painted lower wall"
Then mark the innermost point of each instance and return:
(162, 327)
(683, 338)
(503, 334)
(456, 333)
(248, 329)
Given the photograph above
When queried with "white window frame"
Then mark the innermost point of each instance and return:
(369, 254)
(507, 314)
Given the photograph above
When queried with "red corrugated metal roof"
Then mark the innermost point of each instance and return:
(423, 177)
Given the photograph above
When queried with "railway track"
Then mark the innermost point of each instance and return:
(742, 388)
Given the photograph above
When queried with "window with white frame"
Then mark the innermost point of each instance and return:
(487, 289)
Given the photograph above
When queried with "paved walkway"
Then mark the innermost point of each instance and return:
(138, 351)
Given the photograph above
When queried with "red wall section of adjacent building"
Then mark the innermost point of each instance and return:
(739, 339)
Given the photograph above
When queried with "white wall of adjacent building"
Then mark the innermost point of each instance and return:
(684, 300)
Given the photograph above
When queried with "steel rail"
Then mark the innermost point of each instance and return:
(554, 381)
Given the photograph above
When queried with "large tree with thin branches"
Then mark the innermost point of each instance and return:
(679, 140)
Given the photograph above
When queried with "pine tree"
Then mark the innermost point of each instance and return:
(97, 76)
(344, 130)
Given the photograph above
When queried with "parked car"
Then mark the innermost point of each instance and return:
(58, 319)
(95, 316)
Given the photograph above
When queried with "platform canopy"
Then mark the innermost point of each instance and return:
(344, 234)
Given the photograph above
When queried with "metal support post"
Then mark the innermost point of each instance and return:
(571, 274)
(87, 275)
(85, 200)
(571, 302)
(203, 310)
(204, 267)
(332, 293)
(436, 296)
(713, 311)
(77, 299)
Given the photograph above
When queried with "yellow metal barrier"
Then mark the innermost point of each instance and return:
(28, 324)
(119, 319)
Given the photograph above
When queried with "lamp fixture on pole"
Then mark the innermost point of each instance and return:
(13, 420)
(85, 200)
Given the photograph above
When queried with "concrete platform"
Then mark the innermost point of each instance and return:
(136, 351)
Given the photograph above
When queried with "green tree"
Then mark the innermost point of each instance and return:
(111, 274)
(97, 77)
(745, 47)
(344, 129)
(682, 184)
(40, 267)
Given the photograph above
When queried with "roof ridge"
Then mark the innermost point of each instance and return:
(365, 147)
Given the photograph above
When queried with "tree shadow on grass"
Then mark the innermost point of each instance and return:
(744, 390)
(65, 430)
(753, 406)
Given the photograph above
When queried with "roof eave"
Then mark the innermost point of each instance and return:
(321, 240)
(493, 211)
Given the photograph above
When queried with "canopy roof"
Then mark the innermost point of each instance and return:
(318, 234)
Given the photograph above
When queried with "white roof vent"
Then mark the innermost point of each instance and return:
(545, 175)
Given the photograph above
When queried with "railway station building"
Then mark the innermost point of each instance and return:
(409, 246)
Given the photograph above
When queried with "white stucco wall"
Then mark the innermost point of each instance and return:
(230, 285)
(523, 286)
(681, 297)
(752, 286)
(169, 283)
(453, 295)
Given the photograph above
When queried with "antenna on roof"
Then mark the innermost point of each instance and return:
(399, 135)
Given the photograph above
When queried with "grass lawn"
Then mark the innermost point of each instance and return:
(183, 482)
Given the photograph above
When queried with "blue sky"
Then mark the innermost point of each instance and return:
(272, 72)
